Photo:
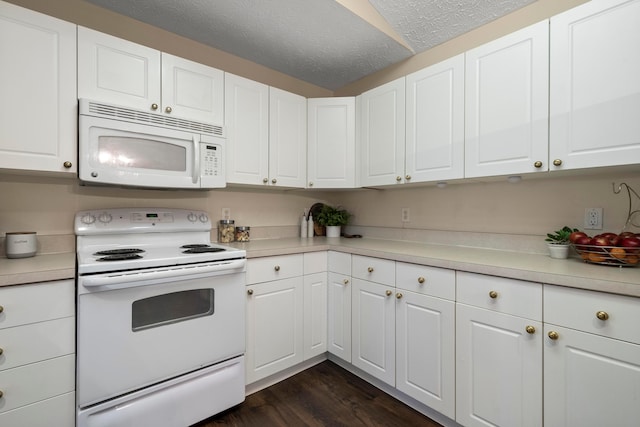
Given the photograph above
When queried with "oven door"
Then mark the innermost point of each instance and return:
(137, 336)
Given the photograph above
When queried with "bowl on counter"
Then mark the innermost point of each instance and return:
(609, 255)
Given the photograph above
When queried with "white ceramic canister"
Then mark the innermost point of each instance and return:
(20, 244)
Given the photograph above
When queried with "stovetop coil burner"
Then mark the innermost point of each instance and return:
(121, 251)
(120, 257)
(202, 249)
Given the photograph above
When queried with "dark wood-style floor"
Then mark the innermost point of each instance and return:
(324, 395)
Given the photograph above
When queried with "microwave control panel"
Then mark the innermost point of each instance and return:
(211, 161)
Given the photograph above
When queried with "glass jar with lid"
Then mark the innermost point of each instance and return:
(242, 233)
(226, 231)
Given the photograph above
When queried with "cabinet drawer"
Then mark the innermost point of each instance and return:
(273, 268)
(374, 269)
(510, 296)
(37, 381)
(57, 411)
(579, 309)
(437, 282)
(315, 262)
(23, 304)
(339, 262)
(38, 341)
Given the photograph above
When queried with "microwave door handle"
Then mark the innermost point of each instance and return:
(196, 159)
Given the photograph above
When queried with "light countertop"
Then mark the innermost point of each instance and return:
(40, 268)
(571, 272)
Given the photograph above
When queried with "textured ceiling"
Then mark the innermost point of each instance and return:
(318, 41)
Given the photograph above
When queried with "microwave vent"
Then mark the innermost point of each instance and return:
(143, 117)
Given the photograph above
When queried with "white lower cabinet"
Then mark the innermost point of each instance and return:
(373, 329)
(274, 315)
(592, 359)
(425, 335)
(37, 361)
(498, 352)
(339, 305)
(286, 312)
(315, 304)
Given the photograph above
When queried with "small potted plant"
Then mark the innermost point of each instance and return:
(558, 242)
(333, 218)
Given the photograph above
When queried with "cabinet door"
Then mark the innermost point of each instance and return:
(274, 327)
(595, 89)
(247, 126)
(435, 122)
(498, 369)
(339, 316)
(425, 350)
(382, 134)
(331, 142)
(118, 71)
(506, 104)
(315, 314)
(373, 333)
(287, 139)
(590, 380)
(191, 90)
(38, 87)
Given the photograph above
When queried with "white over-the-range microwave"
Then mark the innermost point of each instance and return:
(126, 147)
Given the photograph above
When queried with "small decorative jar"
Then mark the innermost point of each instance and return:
(242, 234)
(226, 231)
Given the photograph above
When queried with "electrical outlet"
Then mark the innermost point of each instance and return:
(593, 218)
(226, 213)
(405, 214)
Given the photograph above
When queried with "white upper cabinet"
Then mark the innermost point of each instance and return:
(595, 85)
(435, 122)
(192, 90)
(266, 134)
(382, 134)
(124, 73)
(247, 126)
(287, 139)
(506, 104)
(331, 142)
(38, 91)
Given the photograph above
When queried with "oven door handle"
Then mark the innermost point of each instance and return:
(129, 279)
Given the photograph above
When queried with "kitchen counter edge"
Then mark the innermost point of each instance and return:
(572, 272)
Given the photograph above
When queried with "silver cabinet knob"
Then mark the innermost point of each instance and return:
(154, 107)
(168, 110)
(67, 164)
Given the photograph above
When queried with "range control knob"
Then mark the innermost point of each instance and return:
(105, 218)
(204, 218)
(88, 219)
(192, 217)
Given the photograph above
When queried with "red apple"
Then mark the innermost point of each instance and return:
(616, 240)
(573, 237)
(627, 234)
(631, 244)
(608, 236)
(600, 240)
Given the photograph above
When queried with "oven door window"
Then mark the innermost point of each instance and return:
(171, 308)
